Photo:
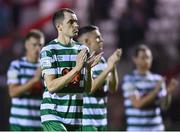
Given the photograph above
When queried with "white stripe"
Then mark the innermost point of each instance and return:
(127, 102)
(25, 63)
(63, 96)
(145, 85)
(12, 81)
(51, 71)
(134, 120)
(63, 108)
(138, 112)
(25, 122)
(93, 100)
(25, 71)
(25, 102)
(138, 129)
(64, 120)
(99, 66)
(95, 111)
(25, 112)
(94, 122)
(62, 58)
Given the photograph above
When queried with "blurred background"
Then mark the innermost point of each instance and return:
(123, 24)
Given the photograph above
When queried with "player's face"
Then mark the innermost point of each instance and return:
(70, 25)
(96, 41)
(33, 47)
(144, 60)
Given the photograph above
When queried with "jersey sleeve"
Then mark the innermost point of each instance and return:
(13, 73)
(47, 62)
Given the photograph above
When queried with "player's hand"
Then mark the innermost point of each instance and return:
(81, 58)
(114, 58)
(159, 84)
(94, 59)
(172, 85)
(37, 75)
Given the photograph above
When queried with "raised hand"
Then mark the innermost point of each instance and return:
(94, 59)
(37, 75)
(81, 58)
(114, 58)
(172, 85)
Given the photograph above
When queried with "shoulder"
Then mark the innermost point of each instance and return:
(155, 76)
(128, 77)
(80, 45)
(50, 45)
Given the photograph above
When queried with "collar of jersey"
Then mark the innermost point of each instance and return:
(67, 45)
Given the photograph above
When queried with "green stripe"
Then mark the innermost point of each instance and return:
(26, 107)
(98, 72)
(66, 63)
(71, 90)
(95, 116)
(24, 76)
(151, 107)
(144, 125)
(62, 114)
(63, 102)
(142, 116)
(56, 125)
(65, 51)
(14, 127)
(98, 106)
(28, 67)
(36, 118)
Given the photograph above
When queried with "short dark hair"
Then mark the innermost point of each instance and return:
(59, 15)
(87, 29)
(139, 48)
(35, 33)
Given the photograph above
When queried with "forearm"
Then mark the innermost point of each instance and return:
(166, 101)
(88, 80)
(144, 101)
(18, 90)
(113, 82)
(98, 82)
(57, 84)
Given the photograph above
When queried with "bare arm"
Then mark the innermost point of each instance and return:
(16, 90)
(98, 82)
(166, 100)
(140, 102)
(113, 80)
(55, 84)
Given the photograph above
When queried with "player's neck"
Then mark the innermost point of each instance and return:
(142, 71)
(64, 39)
(31, 59)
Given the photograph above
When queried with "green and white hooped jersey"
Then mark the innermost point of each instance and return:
(145, 119)
(94, 111)
(65, 105)
(25, 110)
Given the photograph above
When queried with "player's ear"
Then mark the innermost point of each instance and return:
(134, 59)
(26, 44)
(87, 41)
(59, 27)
